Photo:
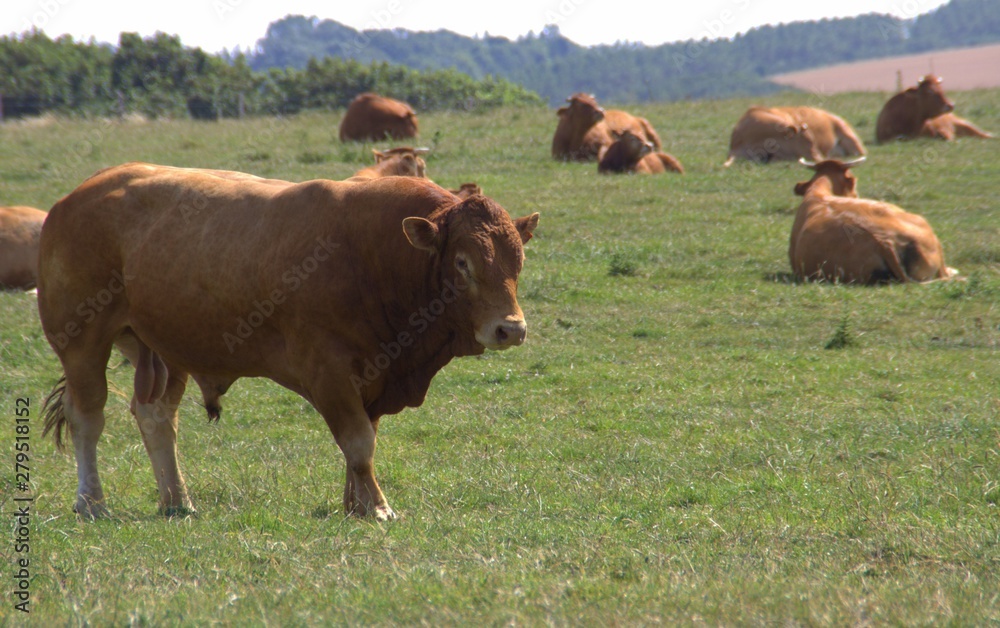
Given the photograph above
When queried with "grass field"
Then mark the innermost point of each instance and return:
(687, 436)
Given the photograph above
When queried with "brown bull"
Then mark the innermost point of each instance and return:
(20, 228)
(631, 153)
(764, 134)
(585, 129)
(371, 117)
(352, 294)
(948, 126)
(904, 115)
(839, 237)
(402, 161)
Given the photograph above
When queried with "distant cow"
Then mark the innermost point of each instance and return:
(948, 126)
(20, 228)
(905, 114)
(584, 129)
(839, 237)
(631, 153)
(351, 294)
(402, 161)
(764, 134)
(373, 117)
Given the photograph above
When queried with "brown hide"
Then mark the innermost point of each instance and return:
(838, 237)
(466, 190)
(764, 134)
(948, 126)
(904, 114)
(585, 129)
(402, 161)
(631, 153)
(352, 294)
(20, 228)
(373, 117)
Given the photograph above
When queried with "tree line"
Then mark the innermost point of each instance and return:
(554, 67)
(158, 76)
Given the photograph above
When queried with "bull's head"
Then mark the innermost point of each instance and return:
(635, 147)
(409, 162)
(835, 172)
(584, 107)
(933, 101)
(481, 251)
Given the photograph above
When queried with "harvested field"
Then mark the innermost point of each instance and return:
(967, 68)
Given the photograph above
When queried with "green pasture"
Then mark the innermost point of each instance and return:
(688, 436)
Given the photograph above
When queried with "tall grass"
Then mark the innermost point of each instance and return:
(672, 444)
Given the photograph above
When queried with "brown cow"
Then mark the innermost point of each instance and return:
(842, 238)
(764, 134)
(402, 161)
(373, 117)
(948, 126)
(904, 115)
(584, 129)
(352, 294)
(20, 228)
(631, 153)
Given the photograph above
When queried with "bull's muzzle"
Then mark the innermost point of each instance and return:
(504, 334)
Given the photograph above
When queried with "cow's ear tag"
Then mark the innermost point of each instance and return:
(422, 233)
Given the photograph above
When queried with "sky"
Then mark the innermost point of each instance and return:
(216, 25)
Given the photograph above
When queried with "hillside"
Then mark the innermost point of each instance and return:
(554, 66)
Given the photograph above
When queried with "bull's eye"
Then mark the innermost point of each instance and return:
(462, 265)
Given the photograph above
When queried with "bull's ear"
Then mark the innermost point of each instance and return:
(379, 155)
(800, 188)
(561, 111)
(525, 226)
(422, 233)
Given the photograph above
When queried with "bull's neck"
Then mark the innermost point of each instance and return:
(821, 187)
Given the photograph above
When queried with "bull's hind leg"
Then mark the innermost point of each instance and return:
(83, 408)
(157, 395)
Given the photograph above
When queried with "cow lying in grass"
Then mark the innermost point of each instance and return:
(765, 134)
(402, 161)
(631, 153)
(20, 228)
(585, 129)
(839, 237)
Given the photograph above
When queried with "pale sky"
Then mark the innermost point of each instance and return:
(214, 25)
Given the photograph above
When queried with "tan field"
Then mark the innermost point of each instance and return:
(961, 69)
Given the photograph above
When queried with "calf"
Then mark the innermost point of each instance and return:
(402, 161)
(585, 129)
(631, 153)
(839, 237)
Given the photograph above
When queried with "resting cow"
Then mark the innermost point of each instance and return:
(373, 117)
(466, 190)
(948, 126)
(764, 134)
(584, 129)
(631, 153)
(904, 115)
(839, 237)
(20, 228)
(352, 294)
(402, 161)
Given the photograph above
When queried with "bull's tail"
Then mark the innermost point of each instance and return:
(729, 162)
(54, 412)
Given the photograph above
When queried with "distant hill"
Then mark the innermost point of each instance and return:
(554, 67)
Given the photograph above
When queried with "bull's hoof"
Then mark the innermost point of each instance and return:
(380, 513)
(91, 511)
(384, 513)
(178, 511)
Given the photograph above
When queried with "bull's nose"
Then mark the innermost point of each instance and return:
(510, 333)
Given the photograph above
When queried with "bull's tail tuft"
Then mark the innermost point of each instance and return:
(54, 412)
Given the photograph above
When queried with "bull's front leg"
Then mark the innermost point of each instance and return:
(355, 435)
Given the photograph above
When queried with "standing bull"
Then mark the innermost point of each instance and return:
(352, 294)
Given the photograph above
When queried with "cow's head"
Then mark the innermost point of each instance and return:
(933, 101)
(833, 175)
(583, 109)
(633, 146)
(481, 251)
(403, 161)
